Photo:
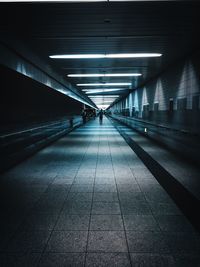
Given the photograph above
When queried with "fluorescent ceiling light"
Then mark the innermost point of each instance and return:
(71, 1)
(105, 75)
(118, 55)
(133, 55)
(104, 96)
(102, 84)
(80, 56)
(102, 101)
(93, 91)
(103, 89)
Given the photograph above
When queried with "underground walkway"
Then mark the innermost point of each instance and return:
(88, 200)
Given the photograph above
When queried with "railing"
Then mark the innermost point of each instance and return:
(15, 146)
(182, 141)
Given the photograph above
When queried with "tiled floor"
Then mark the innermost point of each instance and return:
(88, 200)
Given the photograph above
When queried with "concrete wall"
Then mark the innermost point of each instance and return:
(167, 109)
(172, 99)
(23, 100)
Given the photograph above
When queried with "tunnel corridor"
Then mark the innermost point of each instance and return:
(75, 191)
(88, 200)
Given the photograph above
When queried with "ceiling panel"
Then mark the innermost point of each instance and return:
(170, 28)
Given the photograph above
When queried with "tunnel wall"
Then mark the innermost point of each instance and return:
(23, 100)
(172, 99)
(167, 108)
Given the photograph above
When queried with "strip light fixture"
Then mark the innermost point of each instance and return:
(101, 56)
(103, 84)
(106, 75)
(67, 1)
(103, 90)
(71, 1)
(104, 96)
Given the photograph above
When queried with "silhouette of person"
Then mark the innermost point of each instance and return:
(83, 114)
(101, 116)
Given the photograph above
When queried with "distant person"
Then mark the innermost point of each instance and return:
(83, 114)
(101, 116)
(94, 114)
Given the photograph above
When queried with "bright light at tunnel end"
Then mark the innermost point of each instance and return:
(96, 56)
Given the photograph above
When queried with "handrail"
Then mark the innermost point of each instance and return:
(32, 129)
(158, 125)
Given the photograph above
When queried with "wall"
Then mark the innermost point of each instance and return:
(167, 109)
(172, 99)
(23, 100)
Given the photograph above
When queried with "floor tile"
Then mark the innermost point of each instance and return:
(77, 207)
(87, 188)
(79, 196)
(135, 207)
(34, 241)
(73, 222)
(62, 260)
(152, 260)
(105, 188)
(140, 223)
(180, 243)
(105, 197)
(107, 259)
(146, 242)
(106, 222)
(107, 241)
(106, 208)
(67, 241)
(174, 223)
(19, 259)
(39, 221)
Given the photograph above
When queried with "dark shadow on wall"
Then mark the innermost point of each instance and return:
(25, 101)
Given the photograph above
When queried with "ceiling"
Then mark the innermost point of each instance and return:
(167, 27)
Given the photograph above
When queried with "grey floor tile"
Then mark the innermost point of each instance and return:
(128, 188)
(87, 188)
(146, 242)
(135, 207)
(73, 222)
(131, 197)
(77, 207)
(106, 208)
(39, 221)
(105, 197)
(62, 260)
(105, 188)
(106, 222)
(19, 260)
(152, 260)
(174, 223)
(34, 241)
(158, 196)
(140, 223)
(180, 243)
(187, 260)
(107, 241)
(107, 259)
(83, 181)
(79, 196)
(67, 241)
(159, 208)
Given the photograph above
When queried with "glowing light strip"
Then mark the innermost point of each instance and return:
(105, 75)
(103, 84)
(67, 1)
(118, 55)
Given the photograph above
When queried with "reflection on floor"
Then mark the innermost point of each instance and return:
(88, 200)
